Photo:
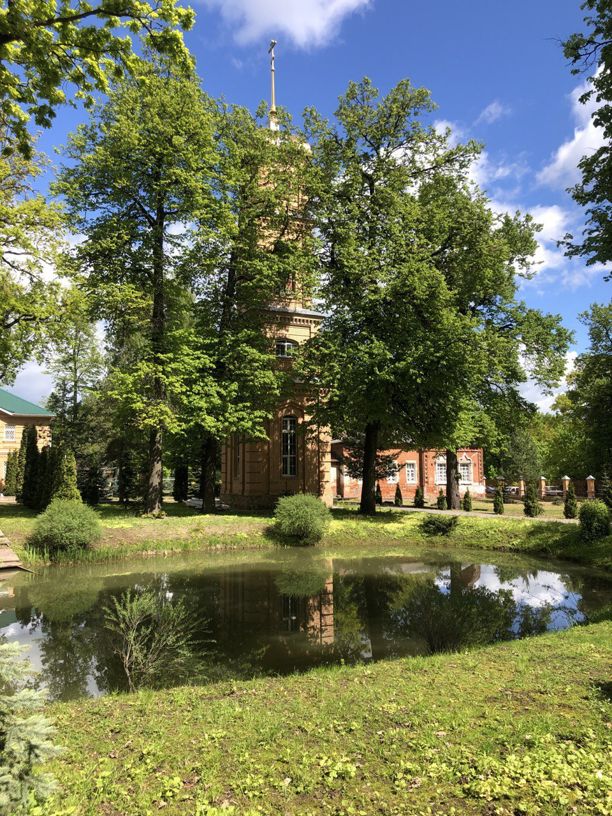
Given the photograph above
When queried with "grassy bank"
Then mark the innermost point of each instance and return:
(514, 728)
(127, 534)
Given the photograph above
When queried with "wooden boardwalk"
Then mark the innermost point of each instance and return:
(8, 558)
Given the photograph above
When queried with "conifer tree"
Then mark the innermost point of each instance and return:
(419, 498)
(65, 477)
(29, 492)
(399, 501)
(605, 488)
(570, 505)
(531, 505)
(498, 501)
(378, 494)
(467, 501)
(43, 488)
(20, 466)
(10, 482)
(441, 500)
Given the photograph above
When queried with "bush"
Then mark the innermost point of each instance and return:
(605, 488)
(498, 502)
(399, 499)
(419, 498)
(302, 517)
(467, 501)
(439, 525)
(64, 526)
(531, 505)
(441, 500)
(594, 520)
(378, 494)
(570, 505)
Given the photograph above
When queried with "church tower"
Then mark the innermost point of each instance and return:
(295, 458)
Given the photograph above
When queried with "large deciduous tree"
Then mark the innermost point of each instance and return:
(591, 51)
(47, 44)
(137, 181)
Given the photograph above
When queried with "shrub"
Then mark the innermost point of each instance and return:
(467, 501)
(154, 638)
(439, 525)
(498, 502)
(594, 520)
(26, 735)
(399, 499)
(21, 457)
(419, 498)
(378, 494)
(302, 517)
(605, 488)
(29, 490)
(441, 500)
(10, 486)
(64, 526)
(531, 505)
(570, 505)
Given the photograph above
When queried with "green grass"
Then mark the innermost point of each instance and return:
(515, 728)
(126, 534)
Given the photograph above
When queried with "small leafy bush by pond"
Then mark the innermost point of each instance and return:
(594, 520)
(65, 525)
(153, 638)
(301, 517)
(439, 525)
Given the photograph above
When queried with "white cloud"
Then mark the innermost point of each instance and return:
(32, 383)
(485, 171)
(455, 132)
(562, 170)
(494, 111)
(307, 23)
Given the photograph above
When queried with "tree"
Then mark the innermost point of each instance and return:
(592, 51)
(570, 505)
(419, 498)
(64, 477)
(138, 180)
(398, 500)
(385, 372)
(30, 236)
(10, 482)
(531, 505)
(467, 501)
(498, 502)
(180, 491)
(19, 470)
(45, 45)
(30, 487)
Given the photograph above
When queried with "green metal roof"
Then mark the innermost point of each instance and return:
(12, 404)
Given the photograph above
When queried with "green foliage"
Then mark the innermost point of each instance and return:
(441, 500)
(153, 638)
(91, 486)
(180, 490)
(48, 47)
(398, 500)
(590, 52)
(467, 501)
(419, 497)
(10, 482)
(439, 525)
(531, 505)
(45, 476)
(498, 501)
(301, 517)
(594, 520)
(570, 505)
(21, 457)
(605, 488)
(64, 477)
(30, 488)
(378, 493)
(26, 736)
(302, 583)
(64, 526)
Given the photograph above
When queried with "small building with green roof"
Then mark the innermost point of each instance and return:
(16, 414)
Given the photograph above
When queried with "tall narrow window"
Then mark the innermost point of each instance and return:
(441, 471)
(9, 433)
(411, 472)
(393, 477)
(289, 446)
(465, 469)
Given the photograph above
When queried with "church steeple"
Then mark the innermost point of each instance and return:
(272, 120)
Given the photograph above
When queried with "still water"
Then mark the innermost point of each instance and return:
(287, 611)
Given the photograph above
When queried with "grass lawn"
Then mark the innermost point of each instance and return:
(515, 728)
(125, 533)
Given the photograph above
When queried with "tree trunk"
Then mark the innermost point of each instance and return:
(208, 459)
(155, 483)
(367, 505)
(453, 498)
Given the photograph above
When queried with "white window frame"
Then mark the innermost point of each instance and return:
(12, 435)
(466, 463)
(441, 463)
(285, 348)
(411, 465)
(289, 446)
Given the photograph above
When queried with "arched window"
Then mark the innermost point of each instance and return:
(289, 446)
(285, 348)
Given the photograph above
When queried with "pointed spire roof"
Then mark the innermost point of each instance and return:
(272, 119)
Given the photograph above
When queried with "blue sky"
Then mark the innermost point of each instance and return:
(495, 70)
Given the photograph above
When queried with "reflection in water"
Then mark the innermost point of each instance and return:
(293, 613)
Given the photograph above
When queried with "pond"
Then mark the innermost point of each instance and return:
(289, 610)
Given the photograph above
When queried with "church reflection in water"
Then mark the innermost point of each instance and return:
(258, 619)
